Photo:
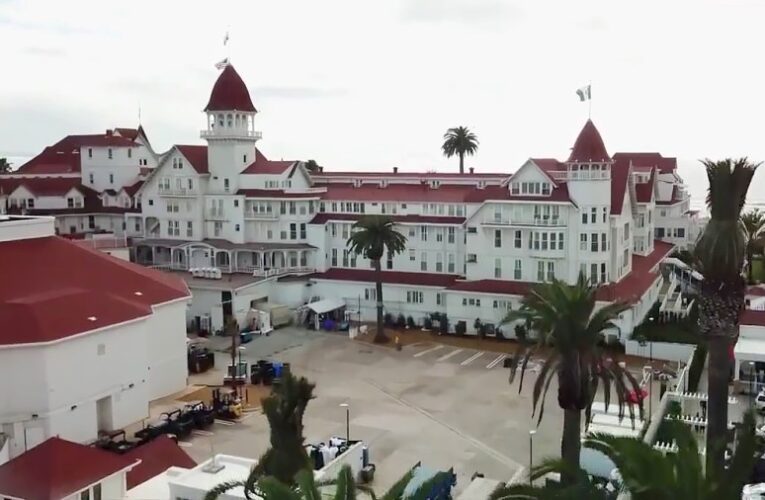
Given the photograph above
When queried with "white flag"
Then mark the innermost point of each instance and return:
(225, 39)
(584, 93)
(221, 64)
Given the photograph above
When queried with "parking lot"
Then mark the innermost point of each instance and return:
(444, 406)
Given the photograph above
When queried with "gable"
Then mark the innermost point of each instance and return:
(531, 172)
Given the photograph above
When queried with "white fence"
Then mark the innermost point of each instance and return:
(659, 350)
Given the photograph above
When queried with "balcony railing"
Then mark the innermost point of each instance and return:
(103, 243)
(581, 175)
(215, 215)
(526, 221)
(260, 215)
(231, 133)
(278, 271)
(176, 191)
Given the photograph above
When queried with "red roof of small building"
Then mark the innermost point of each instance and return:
(64, 156)
(56, 469)
(397, 277)
(263, 165)
(323, 218)
(60, 289)
(752, 318)
(665, 165)
(196, 156)
(230, 93)
(155, 458)
(589, 146)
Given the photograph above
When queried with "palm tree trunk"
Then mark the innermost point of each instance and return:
(571, 442)
(750, 261)
(717, 405)
(462, 163)
(380, 337)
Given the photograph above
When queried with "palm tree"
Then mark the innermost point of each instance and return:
(460, 141)
(720, 253)
(372, 236)
(5, 166)
(312, 166)
(649, 474)
(564, 316)
(753, 225)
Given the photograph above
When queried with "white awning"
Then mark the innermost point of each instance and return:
(750, 349)
(326, 305)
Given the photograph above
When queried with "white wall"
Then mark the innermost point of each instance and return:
(659, 350)
(166, 348)
(124, 169)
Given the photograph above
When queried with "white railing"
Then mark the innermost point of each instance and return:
(168, 266)
(103, 243)
(231, 133)
(261, 215)
(581, 175)
(176, 191)
(278, 271)
(215, 215)
(526, 221)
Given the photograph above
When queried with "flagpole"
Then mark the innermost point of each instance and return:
(589, 103)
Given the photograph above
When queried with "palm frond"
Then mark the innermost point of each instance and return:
(270, 488)
(397, 490)
(346, 486)
(308, 488)
(222, 488)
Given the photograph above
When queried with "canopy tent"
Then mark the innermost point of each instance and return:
(326, 305)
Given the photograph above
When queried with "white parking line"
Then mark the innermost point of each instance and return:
(248, 415)
(496, 361)
(472, 358)
(185, 444)
(224, 422)
(432, 349)
(447, 356)
(202, 433)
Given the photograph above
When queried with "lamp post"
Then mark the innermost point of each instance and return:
(752, 383)
(347, 421)
(531, 451)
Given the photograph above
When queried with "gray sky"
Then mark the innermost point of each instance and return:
(363, 84)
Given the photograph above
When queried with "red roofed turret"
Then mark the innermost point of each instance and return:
(230, 93)
(589, 146)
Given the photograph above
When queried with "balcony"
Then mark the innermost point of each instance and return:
(581, 175)
(278, 271)
(176, 191)
(250, 215)
(223, 133)
(215, 215)
(541, 221)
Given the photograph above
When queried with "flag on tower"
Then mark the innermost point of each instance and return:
(221, 64)
(584, 93)
(225, 39)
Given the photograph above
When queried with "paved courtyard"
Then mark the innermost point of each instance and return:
(441, 405)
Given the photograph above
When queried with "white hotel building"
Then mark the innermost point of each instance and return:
(476, 242)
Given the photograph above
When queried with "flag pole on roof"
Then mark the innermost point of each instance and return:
(585, 94)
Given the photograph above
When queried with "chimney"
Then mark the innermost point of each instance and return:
(395, 170)
(109, 133)
(471, 170)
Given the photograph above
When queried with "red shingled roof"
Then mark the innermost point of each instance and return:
(196, 156)
(644, 190)
(665, 165)
(64, 156)
(401, 174)
(323, 218)
(276, 193)
(133, 188)
(504, 287)
(155, 458)
(263, 165)
(397, 277)
(620, 173)
(589, 146)
(64, 289)
(230, 93)
(758, 291)
(57, 469)
(752, 318)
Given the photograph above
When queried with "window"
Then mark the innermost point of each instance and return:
(334, 257)
(293, 231)
(553, 241)
(292, 208)
(236, 203)
(593, 273)
(659, 232)
(345, 257)
(90, 152)
(514, 188)
(30, 203)
(151, 202)
(303, 209)
(546, 188)
(497, 238)
(472, 258)
(603, 275)
(626, 259)
(517, 269)
(560, 241)
(412, 232)
(90, 177)
(603, 242)
(333, 229)
(370, 294)
(424, 233)
(130, 152)
(641, 220)
(550, 271)
(450, 235)
(97, 492)
(540, 270)
(649, 216)
(191, 184)
(70, 202)
(450, 263)
(353, 259)
(663, 213)
(423, 261)
(584, 217)
(679, 232)
(626, 231)
(498, 268)
(282, 207)
(282, 235)
(225, 184)
(173, 228)
(594, 242)
(544, 241)
(244, 158)
(110, 153)
(189, 229)
(346, 230)
(439, 263)
(414, 297)
(593, 215)
(270, 234)
(605, 213)
(302, 231)
(236, 228)
(389, 261)
(217, 228)
(439, 234)
(471, 230)
(439, 299)
(85, 495)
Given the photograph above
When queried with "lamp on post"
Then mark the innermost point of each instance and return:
(347, 421)
(531, 451)
(752, 382)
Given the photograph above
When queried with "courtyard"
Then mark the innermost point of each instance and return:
(444, 406)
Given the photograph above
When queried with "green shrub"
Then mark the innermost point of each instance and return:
(401, 321)
(388, 320)
(427, 323)
(443, 324)
(460, 328)
(410, 322)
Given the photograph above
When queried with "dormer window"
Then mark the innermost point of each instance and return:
(356, 182)
(546, 188)
(384, 183)
(220, 120)
(110, 153)
(435, 184)
(514, 188)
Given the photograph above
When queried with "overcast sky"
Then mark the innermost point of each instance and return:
(363, 84)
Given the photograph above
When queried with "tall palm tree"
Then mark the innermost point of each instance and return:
(372, 236)
(753, 225)
(720, 253)
(460, 141)
(564, 317)
(5, 166)
(649, 474)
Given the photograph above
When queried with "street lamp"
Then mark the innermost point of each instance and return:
(347, 421)
(752, 382)
(531, 451)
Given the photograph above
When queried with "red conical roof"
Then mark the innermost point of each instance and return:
(230, 93)
(589, 146)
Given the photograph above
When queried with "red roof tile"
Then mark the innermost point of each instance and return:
(389, 277)
(130, 133)
(501, 287)
(620, 173)
(752, 318)
(644, 190)
(155, 458)
(63, 289)
(589, 146)
(230, 93)
(276, 193)
(400, 175)
(133, 188)
(665, 165)
(64, 156)
(196, 156)
(323, 218)
(643, 274)
(57, 469)
(263, 165)
(757, 291)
